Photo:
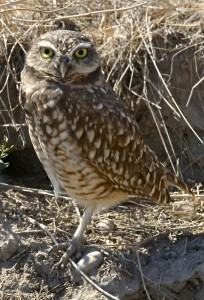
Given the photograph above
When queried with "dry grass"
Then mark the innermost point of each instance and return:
(134, 40)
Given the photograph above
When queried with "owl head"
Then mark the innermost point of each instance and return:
(63, 56)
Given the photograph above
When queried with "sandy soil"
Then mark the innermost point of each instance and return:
(149, 251)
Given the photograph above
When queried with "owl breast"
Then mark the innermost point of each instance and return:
(53, 132)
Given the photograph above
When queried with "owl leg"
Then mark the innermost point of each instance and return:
(76, 242)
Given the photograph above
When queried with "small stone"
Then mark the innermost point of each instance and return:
(90, 261)
(10, 242)
(8, 247)
(106, 225)
(182, 206)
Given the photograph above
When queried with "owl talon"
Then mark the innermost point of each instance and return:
(69, 248)
(60, 247)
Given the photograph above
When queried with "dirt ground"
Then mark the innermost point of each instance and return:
(148, 251)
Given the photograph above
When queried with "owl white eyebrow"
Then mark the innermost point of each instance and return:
(46, 44)
(83, 45)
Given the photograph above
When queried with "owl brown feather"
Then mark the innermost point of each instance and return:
(88, 142)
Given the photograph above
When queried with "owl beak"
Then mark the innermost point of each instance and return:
(63, 69)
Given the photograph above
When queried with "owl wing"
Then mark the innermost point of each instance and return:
(112, 144)
(111, 141)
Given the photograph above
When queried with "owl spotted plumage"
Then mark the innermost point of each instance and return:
(87, 141)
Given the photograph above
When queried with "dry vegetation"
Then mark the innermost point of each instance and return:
(152, 54)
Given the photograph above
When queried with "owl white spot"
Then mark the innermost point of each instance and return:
(90, 135)
(63, 135)
(48, 129)
(100, 106)
(40, 132)
(45, 119)
(140, 154)
(123, 114)
(120, 170)
(130, 159)
(79, 132)
(106, 152)
(114, 166)
(51, 103)
(97, 143)
(60, 117)
(127, 140)
(138, 141)
(117, 156)
(92, 153)
(55, 140)
(110, 138)
(62, 126)
(54, 132)
(133, 146)
(127, 176)
(73, 126)
(151, 167)
(132, 181)
(133, 130)
(147, 177)
(129, 119)
(45, 106)
(160, 183)
(154, 177)
(102, 90)
(76, 119)
(120, 131)
(100, 159)
(126, 182)
(139, 182)
(159, 199)
(44, 138)
(91, 91)
(55, 114)
(122, 156)
(152, 191)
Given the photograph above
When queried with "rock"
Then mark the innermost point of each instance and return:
(106, 225)
(182, 206)
(89, 264)
(9, 240)
(90, 261)
(8, 247)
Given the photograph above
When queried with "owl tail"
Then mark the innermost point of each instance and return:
(161, 194)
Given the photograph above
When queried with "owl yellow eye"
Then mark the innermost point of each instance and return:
(46, 52)
(81, 53)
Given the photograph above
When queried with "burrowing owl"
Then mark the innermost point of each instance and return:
(88, 143)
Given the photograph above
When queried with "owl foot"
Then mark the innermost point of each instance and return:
(69, 248)
(74, 245)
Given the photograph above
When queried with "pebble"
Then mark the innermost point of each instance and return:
(90, 261)
(106, 225)
(89, 264)
(8, 247)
